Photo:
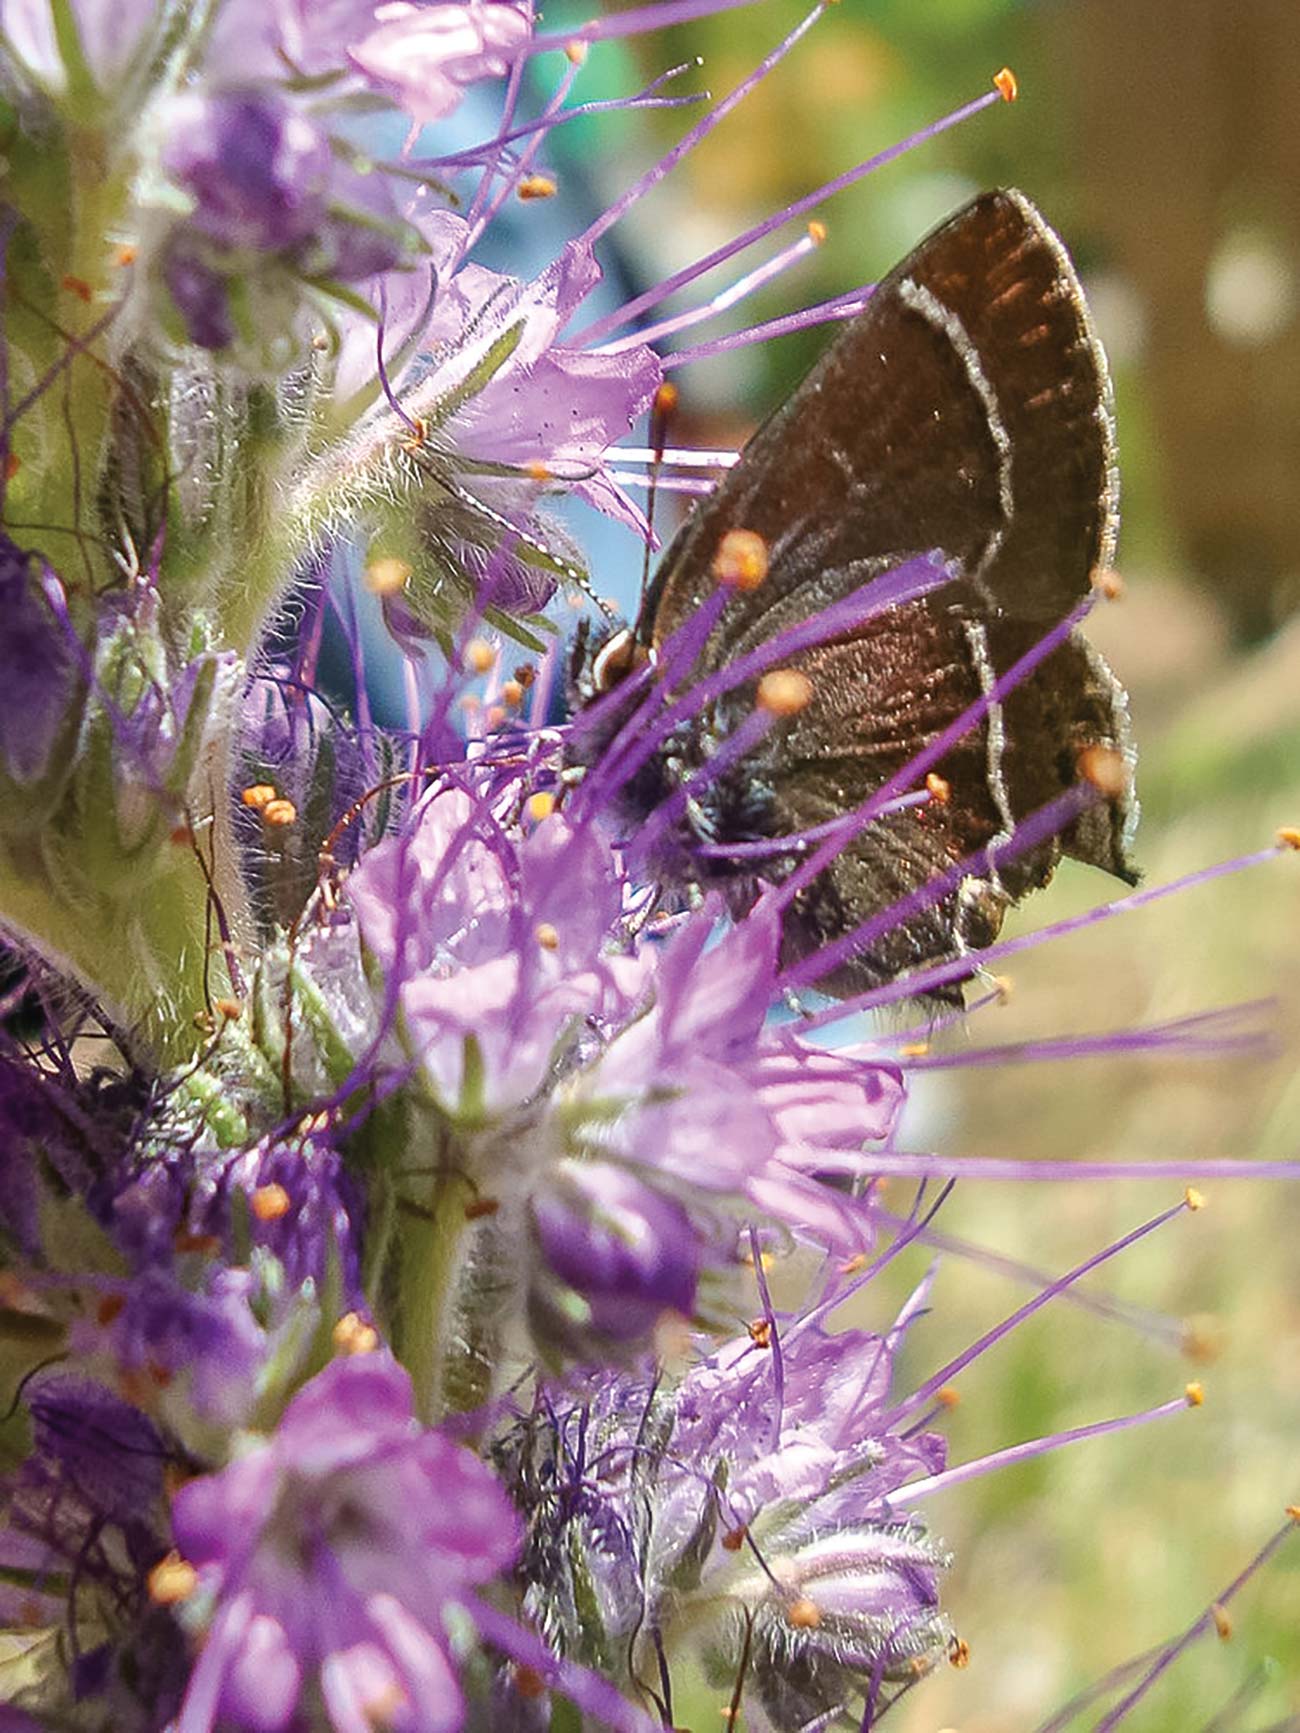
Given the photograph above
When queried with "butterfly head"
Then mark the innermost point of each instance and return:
(599, 664)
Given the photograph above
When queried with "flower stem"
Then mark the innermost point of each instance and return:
(432, 1244)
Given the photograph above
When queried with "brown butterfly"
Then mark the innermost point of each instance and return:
(966, 409)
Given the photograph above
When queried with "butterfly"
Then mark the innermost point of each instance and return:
(966, 409)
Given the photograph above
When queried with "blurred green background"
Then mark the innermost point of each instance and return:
(1161, 137)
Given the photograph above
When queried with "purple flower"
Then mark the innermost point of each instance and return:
(493, 386)
(421, 55)
(333, 1559)
(42, 688)
(256, 168)
(109, 37)
(494, 940)
(425, 55)
(629, 1253)
(44, 1129)
(290, 1199)
(274, 205)
(201, 293)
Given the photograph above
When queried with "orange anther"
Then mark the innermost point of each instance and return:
(1194, 1199)
(816, 232)
(269, 1203)
(666, 398)
(575, 52)
(1288, 836)
(539, 471)
(741, 560)
(546, 936)
(804, 1614)
(230, 1009)
(529, 1682)
(540, 806)
(1108, 583)
(1195, 1394)
(760, 1332)
(1222, 1621)
(958, 1653)
(938, 788)
(258, 795)
(479, 655)
(1006, 84)
(386, 576)
(536, 187)
(279, 813)
(948, 1397)
(171, 1580)
(206, 1244)
(784, 692)
(914, 1049)
(352, 1335)
(512, 693)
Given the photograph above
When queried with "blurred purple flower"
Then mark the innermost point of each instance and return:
(255, 166)
(86, 1522)
(424, 55)
(110, 34)
(330, 1557)
(41, 685)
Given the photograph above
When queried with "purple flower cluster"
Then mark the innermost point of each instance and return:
(387, 1161)
(742, 1511)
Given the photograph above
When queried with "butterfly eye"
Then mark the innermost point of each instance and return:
(616, 659)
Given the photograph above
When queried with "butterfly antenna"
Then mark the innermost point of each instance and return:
(661, 412)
